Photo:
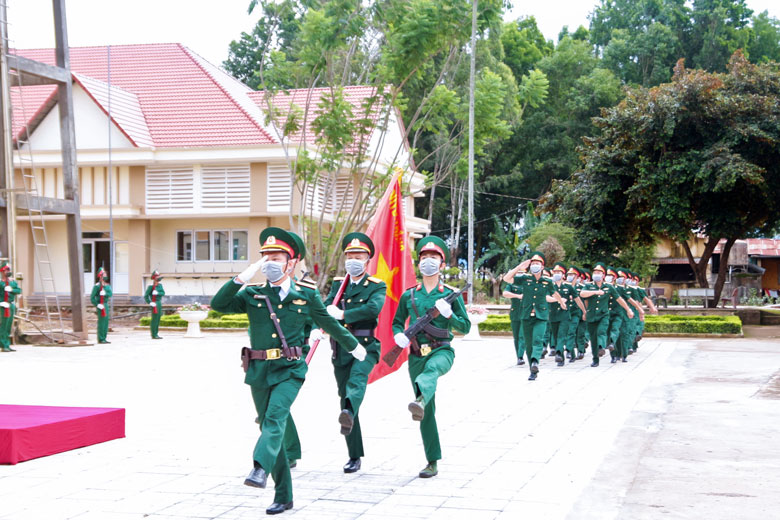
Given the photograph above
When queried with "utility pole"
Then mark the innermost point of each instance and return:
(471, 149)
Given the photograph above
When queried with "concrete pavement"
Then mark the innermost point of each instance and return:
(683, 430)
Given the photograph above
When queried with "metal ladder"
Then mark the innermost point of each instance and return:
(48, 290)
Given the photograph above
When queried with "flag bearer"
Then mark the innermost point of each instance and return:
(9, 289)
(358, 308)
(431, 353)
(278, 313)
(101, 299)
(153, 297)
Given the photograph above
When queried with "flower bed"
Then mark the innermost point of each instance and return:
(214, 320)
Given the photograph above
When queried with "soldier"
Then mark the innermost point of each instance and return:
(431, 354)
(537, 292)
(9, 289)
(582, 328)
(560, 317)
(359, 307)
(599, 295)
(576, 312)
(515, 295)
(154, 296)
(643, 298)
(278, 312)
(548, 330)
(101, 298)
(629, 326)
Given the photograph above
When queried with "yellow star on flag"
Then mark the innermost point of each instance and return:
(387, 275)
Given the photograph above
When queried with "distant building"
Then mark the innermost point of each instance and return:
(195, 172)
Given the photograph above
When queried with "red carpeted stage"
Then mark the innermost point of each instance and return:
(29, 432)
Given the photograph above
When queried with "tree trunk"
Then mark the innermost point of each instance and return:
(700, 267)
(722, 270)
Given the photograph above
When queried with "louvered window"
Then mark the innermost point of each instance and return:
(279, 184)
(225, 187)
(169, 189)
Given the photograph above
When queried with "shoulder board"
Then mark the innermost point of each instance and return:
(374, 279)
(308, 280)
(258, 284)
(337, 279)
(451, 288)
(307, 284)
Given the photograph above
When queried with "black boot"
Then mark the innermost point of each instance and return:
(595, 363)
(276, 508)
(352, 465)
(346, 420)
(257, 477)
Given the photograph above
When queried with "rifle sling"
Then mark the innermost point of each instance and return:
(275, 321)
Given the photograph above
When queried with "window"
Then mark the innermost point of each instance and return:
(170, 188)
(122, 257)
(184, 246)
(221, 246)
(202, 246)
(225, 187)
(240, 246)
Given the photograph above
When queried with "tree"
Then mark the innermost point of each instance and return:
(563, 235)
(700, 154)
(765, 43)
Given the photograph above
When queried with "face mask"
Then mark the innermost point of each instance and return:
(597, 277)
(429, 266)
(535, 268)
(570, 278)
(557, 277)
(609, 278)
(354, 267)
(620, 280)
(274, 271)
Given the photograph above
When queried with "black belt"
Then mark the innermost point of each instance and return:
(426, 348)
(290, 353)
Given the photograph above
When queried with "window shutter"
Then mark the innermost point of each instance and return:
(279, 185)
(169, 188)
(225, 187)
(342, 191)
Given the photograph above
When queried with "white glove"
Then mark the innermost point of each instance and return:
(315, 336)
(401, 340)
(152, 304)
(100, 306)
(335, 312)
(444, 308)
(247, 274)
(102, 292)
(8, 288)
(4, 305)
(154, 293)
(359, 352)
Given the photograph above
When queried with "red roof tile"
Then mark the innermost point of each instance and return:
(757, 246)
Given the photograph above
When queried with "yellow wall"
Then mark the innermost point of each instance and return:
(666, 248)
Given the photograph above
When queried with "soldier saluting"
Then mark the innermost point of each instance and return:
(154, 296)
(278, 313)
(355, 300)
(431, 352)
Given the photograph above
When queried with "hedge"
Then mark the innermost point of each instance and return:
(669, 323)
(226, 321)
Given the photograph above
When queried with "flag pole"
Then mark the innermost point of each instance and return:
(470, 277)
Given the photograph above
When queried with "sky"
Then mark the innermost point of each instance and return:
(207, 27)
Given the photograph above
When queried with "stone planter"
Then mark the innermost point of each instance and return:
(475, 320)
(193, 319)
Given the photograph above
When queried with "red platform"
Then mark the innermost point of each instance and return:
(29, 432)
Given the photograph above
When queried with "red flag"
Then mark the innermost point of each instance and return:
(393, 264)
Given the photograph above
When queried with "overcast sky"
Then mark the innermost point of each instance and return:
(207, 27)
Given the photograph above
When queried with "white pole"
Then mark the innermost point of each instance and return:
(471, 149)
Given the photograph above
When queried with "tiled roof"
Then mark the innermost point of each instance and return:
(757, 246)
(184, 101)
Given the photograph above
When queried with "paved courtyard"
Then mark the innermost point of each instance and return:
(685, 429)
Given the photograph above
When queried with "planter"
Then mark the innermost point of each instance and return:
(193, 319)
(475, 320)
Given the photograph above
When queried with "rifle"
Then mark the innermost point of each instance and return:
(419, 325)
(336, 299)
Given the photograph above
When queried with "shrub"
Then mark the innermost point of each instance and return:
(693, 324)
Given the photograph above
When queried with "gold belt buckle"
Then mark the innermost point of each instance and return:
(425, 350)
(273, 353)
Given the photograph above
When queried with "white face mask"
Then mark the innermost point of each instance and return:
(570, 278)
(620, 280)
(609, 278)
(273, 271)
(430, 266)
(355, 267)
(535, 268)
(597, 277)
(557, 277)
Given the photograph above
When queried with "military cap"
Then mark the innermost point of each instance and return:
(611, 270)
(358, 243)
(576, 271)
(435, 244)
(274, 239)
(5, 266)
(559, 266)
(622, 271)
(155, 274)
(600, 266)
(299, 244)
(537, 255)
(101, 273)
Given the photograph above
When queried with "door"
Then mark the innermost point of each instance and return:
(88, 249)
(121, 267)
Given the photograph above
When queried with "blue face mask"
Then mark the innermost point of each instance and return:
(274, 271)
(620, 280)
(355, 267)
(430, 266)
(535, 268)
(597, 277)
(557, 277)
(570, 278)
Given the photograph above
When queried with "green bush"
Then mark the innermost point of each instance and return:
(225, 321)
(496, 323)
(693, 324)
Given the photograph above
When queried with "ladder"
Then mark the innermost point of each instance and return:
(45, 270)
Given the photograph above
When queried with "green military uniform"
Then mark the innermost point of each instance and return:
(617, 316)
(559, 318)
(361, 303)
(582, 328)
(101, 299)
(9, 289)
(275, 375)
(598, 313)
(642, 293)
(575, 313)
(515, 320)
(433, 355)
(154, 295)
(628, 329)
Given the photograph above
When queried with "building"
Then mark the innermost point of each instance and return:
(191, 168)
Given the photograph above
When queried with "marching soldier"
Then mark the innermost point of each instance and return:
(101, 297)
(278, 313)
(9, 289)
(153, 297)
(515, 295)
(582, 328)
(599, 295)
(358, 308)
(538, 292)
(560, 318)
(431, 354)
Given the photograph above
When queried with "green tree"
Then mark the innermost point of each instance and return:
(562, 234)
(765, 43)
(700, 154)
(720, 27)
